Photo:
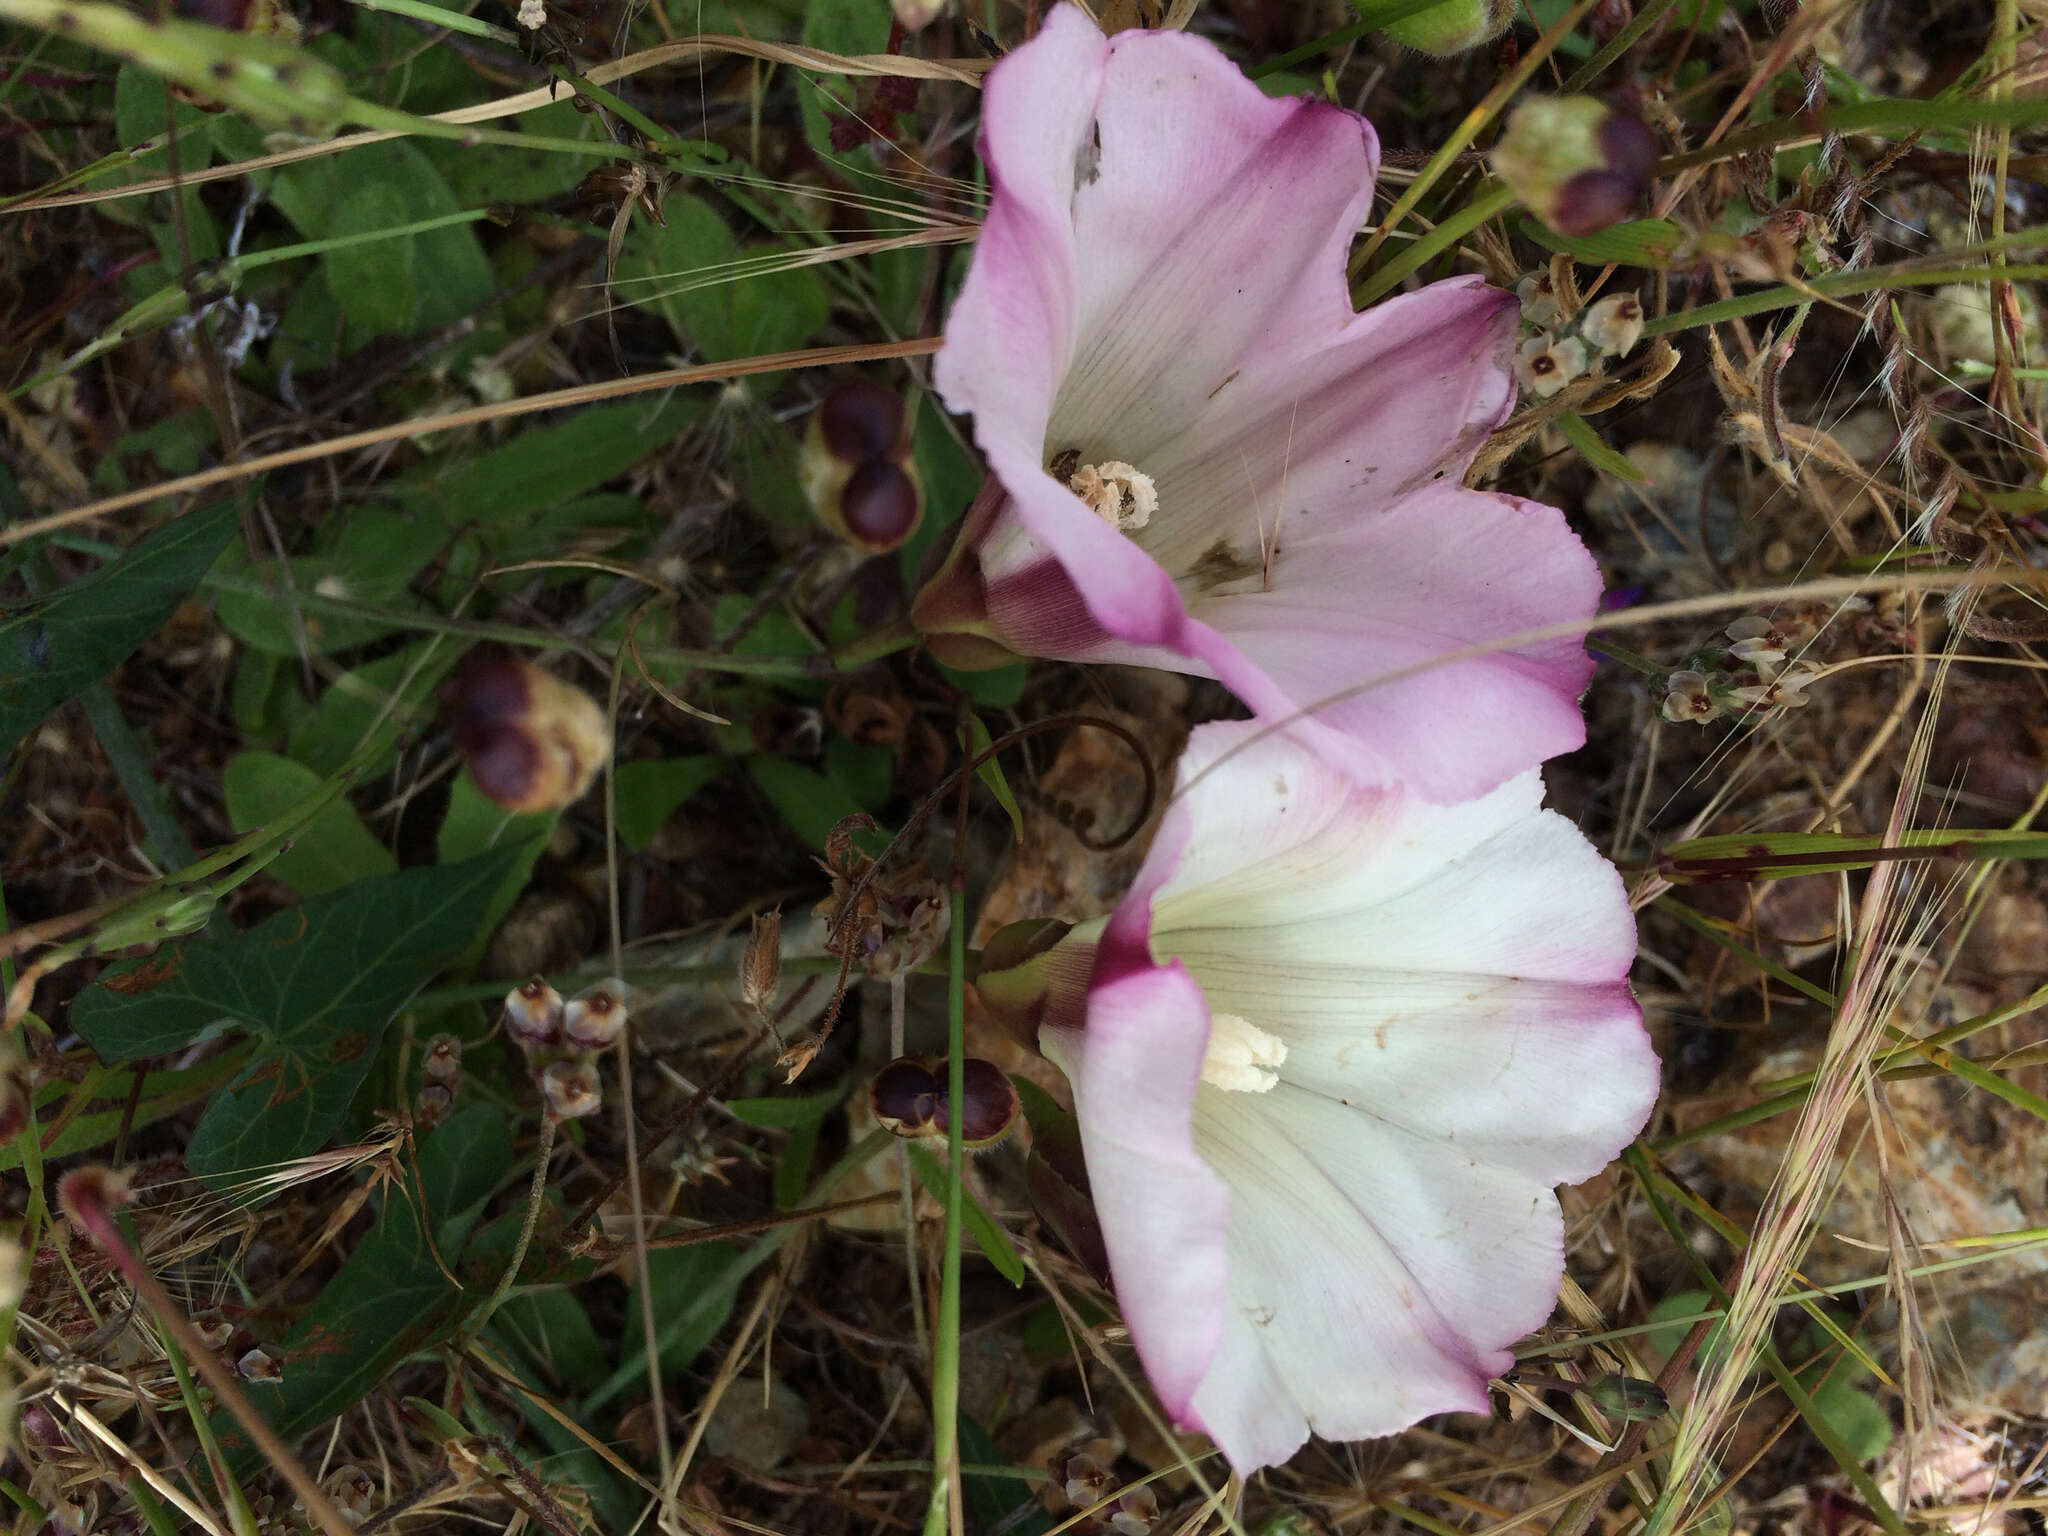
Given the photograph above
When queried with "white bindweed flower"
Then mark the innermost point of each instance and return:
(1329, 1058)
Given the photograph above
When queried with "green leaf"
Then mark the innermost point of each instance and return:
(992, 1240)
(449, 275)
(347, 714)
(787, 1111)
(390, 1298)
(646, 793)
(316, 984)
(1580, 434)
(811, 803)
(993, 688)
(52, 649)
(334, 850)
(866, 773)
(694, 1288)
(540, 468)
(838, 26)
(475, 825)
(163, 1094)
(552, 1330)
(724, 301)
(1858, 1419)
(1006, 1504)
(373, 280)
(990, 772)
(1647, 243)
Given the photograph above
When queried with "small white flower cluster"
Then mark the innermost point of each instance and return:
(1749, 674)
(561, 1040)
(1564, 347)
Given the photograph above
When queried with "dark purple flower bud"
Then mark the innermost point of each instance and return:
(532, 741)
(1577, 163)
(856, 467)
(880, 506)
(909, 1097)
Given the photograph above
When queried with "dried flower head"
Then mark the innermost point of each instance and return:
(898, 918)
(761, 964)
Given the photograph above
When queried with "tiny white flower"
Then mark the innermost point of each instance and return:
(1615, 324)
(1686, 698)
(1546, 363)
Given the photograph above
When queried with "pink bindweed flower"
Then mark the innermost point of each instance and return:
(1329, 1058)
(1202, 458)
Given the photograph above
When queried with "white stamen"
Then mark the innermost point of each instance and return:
(1120, 494)
(1242, 1058)
(533, 14)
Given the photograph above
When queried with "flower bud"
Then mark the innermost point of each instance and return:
(592, 1020)
(1576, 163)
(1628, 1398)
(1453, 27)
(856, 467)
(570, 1090)
(905, 1096)
(533, 1014)
(442, 1062)
(532, 741)
(431, 1105)
(1614, 325)
(909, 1097)
(761, 964)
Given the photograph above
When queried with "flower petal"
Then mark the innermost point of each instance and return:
(1359, 598)
(1375, 1278)
(1163, 1211)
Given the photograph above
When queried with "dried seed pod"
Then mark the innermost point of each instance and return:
(761, 964)
(533, 1014)
(1578, 164)
(570, 1089)
(591, 1021)
(532, 741)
